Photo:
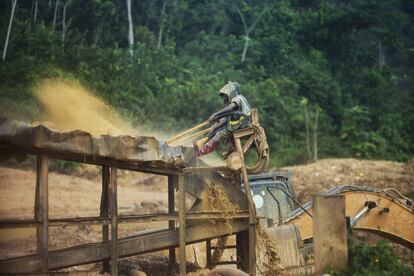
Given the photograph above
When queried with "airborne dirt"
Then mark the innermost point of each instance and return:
(70, 106)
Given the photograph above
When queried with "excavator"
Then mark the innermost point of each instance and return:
(385, 212)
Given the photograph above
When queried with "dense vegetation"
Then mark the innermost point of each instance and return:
(349, 63)
(378, 259)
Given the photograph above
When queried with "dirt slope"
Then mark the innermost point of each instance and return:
(324, 174)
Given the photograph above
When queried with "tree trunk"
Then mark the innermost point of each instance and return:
(315, 137)
(246, 45)
(164, 4)
(64, 23)
(305, 108)
(247, 31)
(381, 55)
(31, 16)
(14, 2)
(98, 33)
(131, 31)
(31, 10)
(55, 14)
(35, 12)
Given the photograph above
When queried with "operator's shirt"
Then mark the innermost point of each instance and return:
(239, 121)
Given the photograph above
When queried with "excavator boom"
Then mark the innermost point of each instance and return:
(381, 211)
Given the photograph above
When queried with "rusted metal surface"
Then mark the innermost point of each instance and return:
(81, 144)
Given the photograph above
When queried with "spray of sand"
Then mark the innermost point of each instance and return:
(69, 106)
(268, 261)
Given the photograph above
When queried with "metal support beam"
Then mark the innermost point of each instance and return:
(181, 221)
(42, 209)
(113, 206)
(104, 211)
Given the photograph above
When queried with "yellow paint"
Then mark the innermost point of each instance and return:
(398, 224)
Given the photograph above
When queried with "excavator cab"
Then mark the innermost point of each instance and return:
(273, 196)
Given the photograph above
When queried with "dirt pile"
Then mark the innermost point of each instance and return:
(313, 178)
(69, 106)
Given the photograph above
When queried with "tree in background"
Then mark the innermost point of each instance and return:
(351, 60)
(248, 29)
(6, 43)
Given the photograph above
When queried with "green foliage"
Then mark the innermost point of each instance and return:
(379, 259)
(353, 60)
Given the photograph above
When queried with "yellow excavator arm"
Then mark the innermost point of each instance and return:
(384, 212)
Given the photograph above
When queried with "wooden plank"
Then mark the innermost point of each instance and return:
(208, 253)
(41, 209)
(37, 210)
(243, 132)
(254, 114)
(248, 143)
(160, 168)
(330, 233)
(113, 207)
(242, 251)
(104, 210)
(252, 212)
(134, 245)
(171, 223)
(181, 222)
(121, 219)
(201, 170)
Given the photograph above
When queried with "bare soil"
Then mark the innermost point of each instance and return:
(79, 194)
(316, 177)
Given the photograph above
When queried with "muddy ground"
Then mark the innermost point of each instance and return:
(78, 194)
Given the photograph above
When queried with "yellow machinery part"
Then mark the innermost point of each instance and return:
(392, 218)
